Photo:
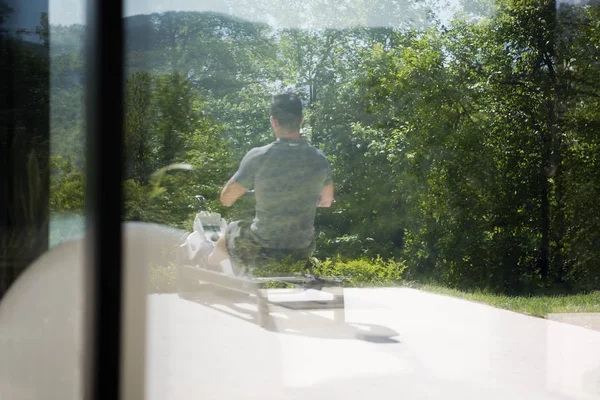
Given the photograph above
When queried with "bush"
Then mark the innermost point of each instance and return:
(362, 272)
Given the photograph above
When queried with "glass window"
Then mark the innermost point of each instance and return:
(316, 199)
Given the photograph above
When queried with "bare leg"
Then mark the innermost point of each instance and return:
(219, 253)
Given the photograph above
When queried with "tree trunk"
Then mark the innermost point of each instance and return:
(549, 137)
(544, 262)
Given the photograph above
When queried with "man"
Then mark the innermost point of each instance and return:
(290, 179)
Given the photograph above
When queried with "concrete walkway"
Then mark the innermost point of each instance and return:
(586, 320)
(399, 343)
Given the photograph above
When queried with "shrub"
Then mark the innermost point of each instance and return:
(363, 271)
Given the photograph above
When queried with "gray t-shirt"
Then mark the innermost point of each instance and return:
(287, 177)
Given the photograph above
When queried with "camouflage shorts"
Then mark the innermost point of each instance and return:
(245, 250)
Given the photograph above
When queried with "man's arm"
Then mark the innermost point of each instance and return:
(326, 197)
(241, 181)
(231, 192)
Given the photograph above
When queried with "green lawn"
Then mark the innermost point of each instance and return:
(162, 280)
(539, 306)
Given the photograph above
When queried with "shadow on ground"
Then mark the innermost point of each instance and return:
(311, 323)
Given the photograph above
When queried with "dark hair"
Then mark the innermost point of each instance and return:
(286, 108)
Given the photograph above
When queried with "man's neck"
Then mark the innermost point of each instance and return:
(288, 135)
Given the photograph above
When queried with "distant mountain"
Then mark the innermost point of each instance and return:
(216, 52)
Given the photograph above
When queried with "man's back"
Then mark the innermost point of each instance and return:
(287, 176)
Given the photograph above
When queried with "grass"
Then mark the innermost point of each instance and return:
(381, 273)
(538, 306)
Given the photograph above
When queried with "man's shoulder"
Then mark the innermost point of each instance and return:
(313, 152)
(318, 153)
(258, 151)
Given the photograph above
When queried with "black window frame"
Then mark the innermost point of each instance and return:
(104, 202)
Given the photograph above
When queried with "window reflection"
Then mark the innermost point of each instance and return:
(462, 140)
(67, 124)
(25, 137)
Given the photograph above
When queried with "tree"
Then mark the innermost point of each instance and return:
(498, 89)
(140, 118)
(469, 149)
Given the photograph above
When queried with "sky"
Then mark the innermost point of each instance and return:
(27, 17)
(67, 12)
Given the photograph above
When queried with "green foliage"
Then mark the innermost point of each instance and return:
(469, 151)
(359, 273)
(363, 271)
(483, 182)
(67, 186)
(173, 150)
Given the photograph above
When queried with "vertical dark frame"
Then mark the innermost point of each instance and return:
(104, 116)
